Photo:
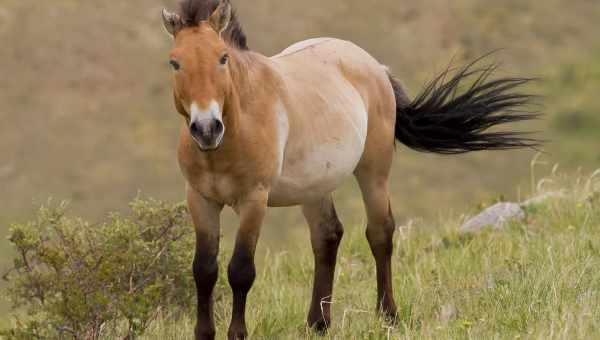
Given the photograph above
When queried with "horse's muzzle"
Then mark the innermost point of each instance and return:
(208, 133)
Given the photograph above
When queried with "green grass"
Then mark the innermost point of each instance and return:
(6, 255)
(574, 111)
(538, 279)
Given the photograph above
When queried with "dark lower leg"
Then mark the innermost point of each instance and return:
(241, 273)
(206, 271)
(326, 235)
(380, 238)
(319, 316)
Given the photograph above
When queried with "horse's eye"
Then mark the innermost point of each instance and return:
(175, 65)
(224, 59)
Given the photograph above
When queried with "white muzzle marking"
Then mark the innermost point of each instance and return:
(211, 114)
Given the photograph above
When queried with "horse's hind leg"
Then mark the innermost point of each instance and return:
(325, 233)
(372, 175)
(380, 231)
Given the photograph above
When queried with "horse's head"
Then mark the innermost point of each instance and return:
(202, 80)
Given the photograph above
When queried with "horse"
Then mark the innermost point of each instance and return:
(287, 130)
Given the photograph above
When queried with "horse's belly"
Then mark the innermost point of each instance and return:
(320, 173)
(310, 173)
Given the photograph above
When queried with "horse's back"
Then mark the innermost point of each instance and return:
(324, 58)
(302, 45)
(331, 90)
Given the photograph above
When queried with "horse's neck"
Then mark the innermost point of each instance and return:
(239, 67)
(254, 80)
(251, 74)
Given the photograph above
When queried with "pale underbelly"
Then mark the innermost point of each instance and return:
(318, 173)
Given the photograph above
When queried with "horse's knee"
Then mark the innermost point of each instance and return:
(326, 241)
(241, 272)
(333, 231)
(380, 234)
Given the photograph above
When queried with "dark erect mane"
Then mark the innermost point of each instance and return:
(195, 11)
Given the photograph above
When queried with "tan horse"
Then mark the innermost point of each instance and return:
(287, 130)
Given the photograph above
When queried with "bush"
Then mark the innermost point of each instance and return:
(75, 280)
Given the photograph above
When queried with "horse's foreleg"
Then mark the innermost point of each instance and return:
(380, 232)
(205, 215)
(242, 271)
(326, 232)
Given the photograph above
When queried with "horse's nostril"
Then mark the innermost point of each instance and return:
(207, 132)
(218, 127)
(194, 128)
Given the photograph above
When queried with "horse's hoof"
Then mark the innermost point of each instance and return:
(237, 335)
(320, 326)
(205, 335)
(389, 314)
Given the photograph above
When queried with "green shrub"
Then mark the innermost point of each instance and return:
(75, 280)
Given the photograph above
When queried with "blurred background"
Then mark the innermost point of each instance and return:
(86, 112)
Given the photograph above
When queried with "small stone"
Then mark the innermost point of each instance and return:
(496, 217)
(448, 313)
(490, 282)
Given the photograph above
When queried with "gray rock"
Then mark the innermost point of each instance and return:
(496, 217)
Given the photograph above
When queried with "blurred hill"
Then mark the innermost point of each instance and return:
(86, 112)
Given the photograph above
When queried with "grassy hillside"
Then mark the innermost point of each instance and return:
(86, 112)
(536, 279)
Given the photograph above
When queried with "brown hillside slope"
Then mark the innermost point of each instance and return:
(85, 106)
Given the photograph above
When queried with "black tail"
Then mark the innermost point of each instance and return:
(442, 120)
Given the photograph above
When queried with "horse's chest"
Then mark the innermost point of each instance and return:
(217, 187)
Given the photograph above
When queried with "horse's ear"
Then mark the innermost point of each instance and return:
(172, 22)
(221, 17)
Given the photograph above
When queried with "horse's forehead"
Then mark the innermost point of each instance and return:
(202, 34)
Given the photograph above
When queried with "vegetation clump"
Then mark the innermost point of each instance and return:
(73, 279)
